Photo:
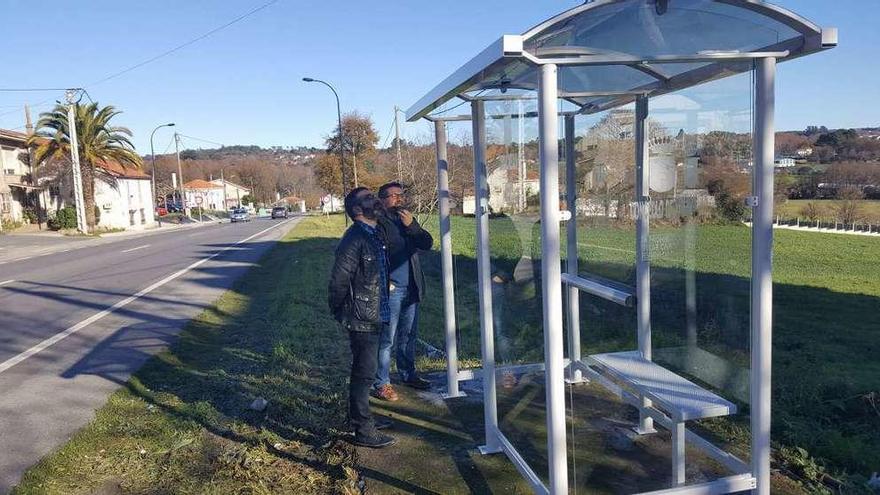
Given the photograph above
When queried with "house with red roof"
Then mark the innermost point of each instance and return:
(123, 195)
(215, 194)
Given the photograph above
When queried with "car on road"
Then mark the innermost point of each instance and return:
(279, 212)
(239, 215)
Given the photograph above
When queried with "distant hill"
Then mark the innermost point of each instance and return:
(276, 154)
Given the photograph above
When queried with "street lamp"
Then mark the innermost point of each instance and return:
(153, 158)
(341, 137)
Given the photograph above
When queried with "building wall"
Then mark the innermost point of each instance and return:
(127, 206)
(11, 171)
(212, 199)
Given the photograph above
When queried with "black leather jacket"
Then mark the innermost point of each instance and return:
(354, 290)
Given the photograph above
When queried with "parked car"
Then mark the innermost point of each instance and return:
(239, 215)
(279, 212)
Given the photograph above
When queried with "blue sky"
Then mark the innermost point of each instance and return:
(243, 84)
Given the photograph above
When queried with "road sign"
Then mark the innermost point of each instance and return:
(199, 200)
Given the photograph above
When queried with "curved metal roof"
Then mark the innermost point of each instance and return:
(609, 51)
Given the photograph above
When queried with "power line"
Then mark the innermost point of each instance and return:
(170, 142)
(200, 139)
(387, 135)
(184, 45)
(460, 104)
(21, 107)
(36, 90)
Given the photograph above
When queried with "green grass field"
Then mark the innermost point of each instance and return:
(826, 371)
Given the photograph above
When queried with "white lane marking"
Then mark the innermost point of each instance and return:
(58, 337)
(135, 249)
(197, 233)
(6, 282)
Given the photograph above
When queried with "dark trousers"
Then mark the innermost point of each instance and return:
(364, 361)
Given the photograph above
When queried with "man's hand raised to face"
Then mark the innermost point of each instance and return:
(406, 217)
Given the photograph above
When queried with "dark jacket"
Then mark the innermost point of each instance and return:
(404, 244)
(354, 292)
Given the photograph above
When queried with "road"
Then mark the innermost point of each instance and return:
(74, 325)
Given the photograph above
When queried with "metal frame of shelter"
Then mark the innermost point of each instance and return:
(532, 62)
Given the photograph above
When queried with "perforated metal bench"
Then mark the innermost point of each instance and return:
(682, 399)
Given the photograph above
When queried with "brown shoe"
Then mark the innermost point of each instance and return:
(387, 392)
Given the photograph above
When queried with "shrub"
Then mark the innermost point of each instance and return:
(730, 207)
(812, 211)
(64, 218)
(30, 216)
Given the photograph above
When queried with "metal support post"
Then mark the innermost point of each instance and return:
(180, 175)
(643, 255)
(571, 266)
(762, 268)
(551, 279)
(678, 446)
(487, 331)
(446, 272)
(78, 195)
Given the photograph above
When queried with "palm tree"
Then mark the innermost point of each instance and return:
(98, 142)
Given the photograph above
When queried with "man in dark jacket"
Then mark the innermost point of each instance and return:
(404, 237)
(358, 298)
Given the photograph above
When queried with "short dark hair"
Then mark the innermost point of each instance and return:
(351, 202)
(388, 186)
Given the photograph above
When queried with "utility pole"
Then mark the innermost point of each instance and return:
(397, 142)
(180, 174)
(225, 206)
(78, 197)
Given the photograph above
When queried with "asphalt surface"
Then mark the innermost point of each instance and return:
(74, 325)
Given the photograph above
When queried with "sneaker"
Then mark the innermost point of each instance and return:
(375, 441)
(418, 382)
(386, 392)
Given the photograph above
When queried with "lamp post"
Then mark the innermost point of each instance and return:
(341, 137)
(153, 158)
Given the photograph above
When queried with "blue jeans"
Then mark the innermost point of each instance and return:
(404, 326)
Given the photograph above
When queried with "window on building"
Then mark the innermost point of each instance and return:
(9, 171)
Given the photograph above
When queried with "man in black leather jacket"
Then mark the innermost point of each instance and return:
(358, 299)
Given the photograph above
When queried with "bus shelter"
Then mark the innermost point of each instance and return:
(590, 60)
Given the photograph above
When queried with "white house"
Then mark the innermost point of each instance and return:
(123, 195)
(784, 162)
(511, 183)
(126, 202)
(212, 195)
(233, 192)
(13, 171)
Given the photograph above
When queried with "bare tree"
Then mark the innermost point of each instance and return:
(849, 209)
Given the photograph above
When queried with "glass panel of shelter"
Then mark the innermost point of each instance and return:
(699, 155)
(515, 254)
